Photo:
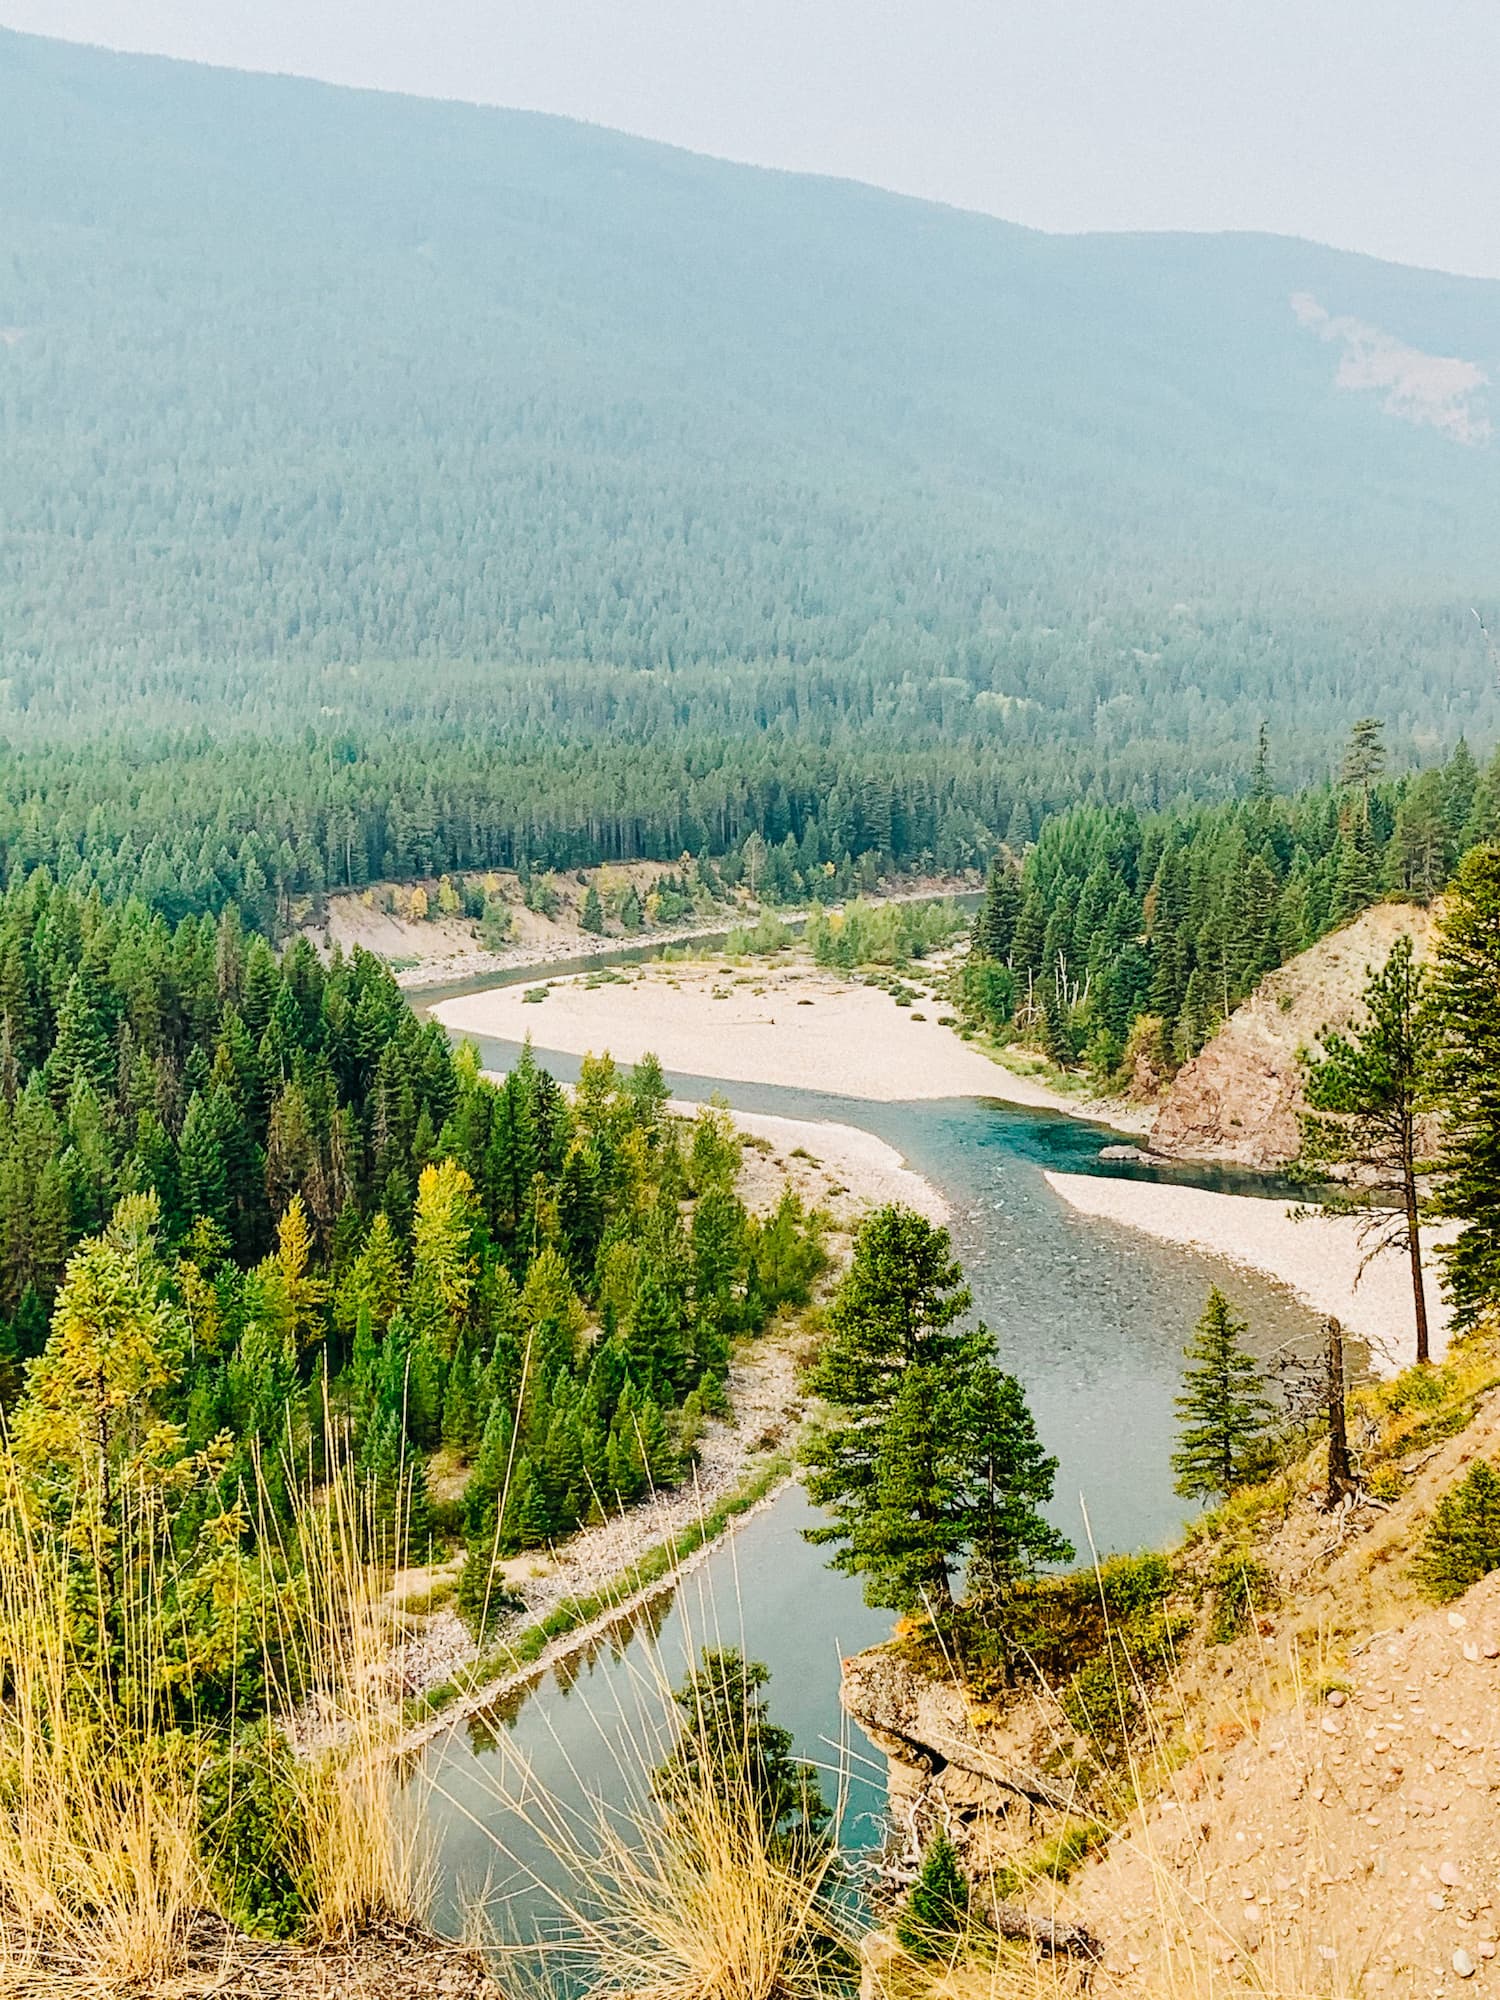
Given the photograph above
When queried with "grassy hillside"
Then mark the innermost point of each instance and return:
(296, 377)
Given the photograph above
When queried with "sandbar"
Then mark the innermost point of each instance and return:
(790, 1025)
(1317, 1257)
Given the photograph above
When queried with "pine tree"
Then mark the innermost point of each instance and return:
(730, 1744)
(897, 1304)
(462, 1419)
(1364, 757)
(204, 1179)
(1225, 1414)
(483, 1598)
(936, 1913)
(921, 1451)
(1460, 789)
(1462, 1542)
(486, 1482)
(443, 1226)
(1466, 998)
(1008, 1480)
(1354, 879)
(81, 1051)
(527, 1524)
(653, 1341)
(907, 1538)
(424, 1393)
(592, 919)
(1365, 1091)
(995, 924)
(552, 1313)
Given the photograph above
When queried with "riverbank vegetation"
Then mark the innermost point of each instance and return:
(270, 1252)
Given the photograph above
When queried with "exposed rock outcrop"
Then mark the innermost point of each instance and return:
(943, 1768)
(1239, 1100)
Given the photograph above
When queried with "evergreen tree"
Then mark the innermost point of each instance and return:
(1364, 755)
(527, 1523)
(897, 1305)
(936, 1913)
(1462, 1542)
(483, 1598)
(728, 1742)
(486, 1482)
(1365, 1091)
(906, 1538)
(1008, 1480)
(995, 924)
(592, 919)
(1354, 879)
(1466, 998)
(1225, 1414)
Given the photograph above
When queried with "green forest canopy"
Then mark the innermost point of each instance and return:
(392, 486)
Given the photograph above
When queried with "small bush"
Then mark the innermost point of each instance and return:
(1386, 1482)
(252, 1835)
(1103, 1698)
(1132, 1584)
(1462, 1543)
(482, 1597)
(1237, 1586)
(1102, 1701)
(936, 1913)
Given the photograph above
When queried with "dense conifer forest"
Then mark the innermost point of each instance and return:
(359, 1242)
(395, 488)
(1120, 930)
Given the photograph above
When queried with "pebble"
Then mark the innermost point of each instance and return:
(1449, 1873)
(1457, 1621)
(1336, 1697)
(1463, 1965)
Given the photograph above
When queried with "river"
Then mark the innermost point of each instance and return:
(1091, 1317)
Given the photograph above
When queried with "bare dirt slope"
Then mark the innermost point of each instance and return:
(1339, 1831)
(1311, 1803)
(1239, 1100)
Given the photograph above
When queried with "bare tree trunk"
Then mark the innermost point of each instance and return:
(1414, 1249)
(1340, 1471)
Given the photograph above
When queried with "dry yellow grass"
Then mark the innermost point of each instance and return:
(102, 1873)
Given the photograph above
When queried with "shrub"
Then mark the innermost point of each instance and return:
(936, 1913)
(1462, 1543)
(252, 1834)
(1132, 1584)
(1103, 1698)
(482, 1596)
(1236, 1585)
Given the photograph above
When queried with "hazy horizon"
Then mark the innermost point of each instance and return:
(1368, 129)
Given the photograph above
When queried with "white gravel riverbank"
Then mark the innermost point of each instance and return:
(1317, 1256)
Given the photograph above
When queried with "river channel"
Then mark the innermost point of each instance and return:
(1091, 1317)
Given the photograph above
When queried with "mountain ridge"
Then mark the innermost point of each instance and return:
(411, 379)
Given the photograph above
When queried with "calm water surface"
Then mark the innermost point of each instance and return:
(1092, 1318)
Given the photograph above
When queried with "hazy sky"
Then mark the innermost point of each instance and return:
(1372, 124)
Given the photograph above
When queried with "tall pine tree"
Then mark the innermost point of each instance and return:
(1225, 1413)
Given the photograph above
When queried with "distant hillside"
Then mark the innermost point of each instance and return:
(295, 378)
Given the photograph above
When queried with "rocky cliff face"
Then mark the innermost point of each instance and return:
(1239, 1100)
(943, 1768)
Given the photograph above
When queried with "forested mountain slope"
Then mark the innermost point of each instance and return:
(299, 385)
